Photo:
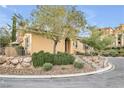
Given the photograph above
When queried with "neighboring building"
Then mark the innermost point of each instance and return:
(118, 33)
(33, 42)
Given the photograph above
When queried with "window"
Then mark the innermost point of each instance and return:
(119, 36)
(27, 42)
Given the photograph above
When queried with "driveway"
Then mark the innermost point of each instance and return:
(111, 79)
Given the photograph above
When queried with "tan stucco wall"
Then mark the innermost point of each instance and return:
(41, 43)
(80, 47)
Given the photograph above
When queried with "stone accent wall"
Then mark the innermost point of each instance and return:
(16, 62)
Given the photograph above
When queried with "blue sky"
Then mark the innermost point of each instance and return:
(102, 16)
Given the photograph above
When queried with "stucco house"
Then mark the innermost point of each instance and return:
(33, 42)
(118, 34)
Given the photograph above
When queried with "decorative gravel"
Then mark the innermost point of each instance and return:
(56, 70)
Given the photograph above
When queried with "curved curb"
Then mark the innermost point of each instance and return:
(59, 76)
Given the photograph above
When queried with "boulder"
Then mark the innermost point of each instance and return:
(8, 62)
(2, 59)
(4, 65)
(9, 58)
(27, 60)
(11, 65)
(19, 66)
(15, 61)
(20, 60)
(25, 64)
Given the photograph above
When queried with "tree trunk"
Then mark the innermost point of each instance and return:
(54, 47)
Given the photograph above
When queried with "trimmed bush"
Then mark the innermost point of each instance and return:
(47, 66)
(38, 59)
(121, 51)
(48, 58)
(105, 53)
(113, 53)
(78, 65)
(56, 59)
(121, 54)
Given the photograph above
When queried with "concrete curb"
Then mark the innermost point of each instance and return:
(59, 76)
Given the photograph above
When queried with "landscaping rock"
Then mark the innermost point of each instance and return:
(8, 65)
(11, 66)
(20, 60)
(15, 61)
(27, 60)
(4, 65)
(26, 64)
(19, 66)
(9, 58)
(2, 59)
(8, 62)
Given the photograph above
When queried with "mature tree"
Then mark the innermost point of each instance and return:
(21, 21)
(58, 22)
(97, 41)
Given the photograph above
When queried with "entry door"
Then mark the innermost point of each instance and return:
(67, 45)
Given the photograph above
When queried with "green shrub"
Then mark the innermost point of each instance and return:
(105, 53)
(63, 68)
(48, 58)
(94, 53)
(121, 51)
(47, 66)
(63, 59)
(121, 54)
(113, 53)
(87, 54)
(38, 59)
(56, 59)
(78, 65)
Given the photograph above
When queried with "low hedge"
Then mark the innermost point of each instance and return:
(113, 52)
(42, 57)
